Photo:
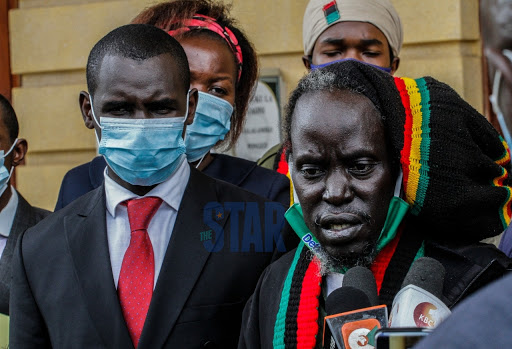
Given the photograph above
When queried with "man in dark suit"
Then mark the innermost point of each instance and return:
(16, 214)
(82, 280)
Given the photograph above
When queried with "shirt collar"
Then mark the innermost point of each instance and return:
(7, 214)
(170, 191)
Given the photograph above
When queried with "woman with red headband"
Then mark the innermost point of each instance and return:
(224, 69)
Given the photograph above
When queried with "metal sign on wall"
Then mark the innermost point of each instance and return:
(262, 129)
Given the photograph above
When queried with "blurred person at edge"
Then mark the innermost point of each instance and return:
(369, 31)
(224, 69)
(16, 214)
(495, 23)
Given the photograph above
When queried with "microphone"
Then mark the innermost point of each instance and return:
(352, 314)
(418, 303)
(362, 278)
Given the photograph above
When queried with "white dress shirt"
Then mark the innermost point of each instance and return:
(333, 281)
(7, 218)
(161, 225)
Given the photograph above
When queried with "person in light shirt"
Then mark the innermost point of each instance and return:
(160, 255)
(16, 214)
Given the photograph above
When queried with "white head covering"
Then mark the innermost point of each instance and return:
(321, 14)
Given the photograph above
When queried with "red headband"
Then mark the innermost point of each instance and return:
(204, 22)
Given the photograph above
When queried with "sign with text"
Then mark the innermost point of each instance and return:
(262, 127)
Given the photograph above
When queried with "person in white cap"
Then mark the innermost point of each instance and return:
(369, 31)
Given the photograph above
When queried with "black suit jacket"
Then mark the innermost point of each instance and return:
(25, 217)
(63, 289)
(240, 172)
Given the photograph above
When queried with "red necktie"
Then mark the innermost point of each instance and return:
(137, 275)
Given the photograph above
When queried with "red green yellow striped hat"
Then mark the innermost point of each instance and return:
(456, 167)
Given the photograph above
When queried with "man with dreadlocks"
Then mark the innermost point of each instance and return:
(387, 170)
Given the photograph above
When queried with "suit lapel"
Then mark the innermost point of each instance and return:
(23, 219)
(183, 262)
(87, 240)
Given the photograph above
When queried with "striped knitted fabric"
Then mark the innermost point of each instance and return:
(415, 153)
(455, 165)
(296, 323)
(297, 317)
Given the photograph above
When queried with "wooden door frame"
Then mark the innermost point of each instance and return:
(7, 80)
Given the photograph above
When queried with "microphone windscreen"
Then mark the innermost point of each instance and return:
(428, 274)
(346, 299)
(363, 279)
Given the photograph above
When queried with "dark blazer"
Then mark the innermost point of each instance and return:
(26, 216)
(64, 294)
(240, 172)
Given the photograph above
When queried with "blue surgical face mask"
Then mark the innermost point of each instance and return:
(142, 152)
(314, 66)
(5, 174)
(211, 123)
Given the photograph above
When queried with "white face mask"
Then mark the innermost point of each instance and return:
(495, 103)
(5, 174)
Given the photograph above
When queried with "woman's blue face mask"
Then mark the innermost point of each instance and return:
(211, 123)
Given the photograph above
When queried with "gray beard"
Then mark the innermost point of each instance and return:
(329, 264)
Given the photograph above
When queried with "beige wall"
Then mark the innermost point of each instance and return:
(50, 41)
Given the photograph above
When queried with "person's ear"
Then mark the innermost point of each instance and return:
(394, 65)
(85, 107)
(19, 151)
(307, 61)
(193, 97)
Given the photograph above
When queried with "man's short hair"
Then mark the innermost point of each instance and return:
(138, 42)
(9, 118)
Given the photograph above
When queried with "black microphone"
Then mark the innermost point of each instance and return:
(418, 303)
(362, 278)
(352, 315)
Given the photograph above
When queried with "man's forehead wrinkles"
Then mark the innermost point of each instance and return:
(333, 40)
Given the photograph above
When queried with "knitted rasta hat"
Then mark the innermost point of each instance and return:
(455, 165)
